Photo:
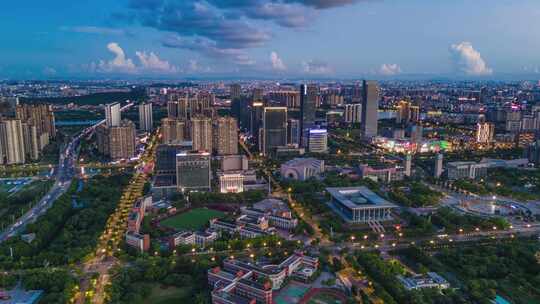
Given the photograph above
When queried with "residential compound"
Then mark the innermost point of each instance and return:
(241, 281)
(23, 137)
(117, 142)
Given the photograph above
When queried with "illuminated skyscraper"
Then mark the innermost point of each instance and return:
(226, 136)
(353, 113)
(193, 171)
(112, 114)
(274, 129)
(145, 117)
(308, 100)
(370, 109)
(318, 141)
(12, 142)
(201, 133)
(485, 132)
(173, 131)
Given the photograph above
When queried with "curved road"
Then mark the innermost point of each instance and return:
(64, 175)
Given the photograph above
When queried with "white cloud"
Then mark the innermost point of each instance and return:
(120, 63)
(468, 60)
(277, 62)
(152, 62)
(49, 71)
(93, 30)
(149, 62)
(317, 67)
(390, 69)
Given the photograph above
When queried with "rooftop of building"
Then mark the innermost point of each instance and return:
(356, 197)
(21, 296)
(165, 180)
(271, 204)
(308, 161)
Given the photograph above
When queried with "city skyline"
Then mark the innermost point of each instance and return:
(270, 39)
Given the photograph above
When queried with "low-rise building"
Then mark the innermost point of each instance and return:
(139, 241)
(359, 205)
(384, 174)
(247, 282)
(231, 182)
(302, 168)
(466, 170)
(429, 280)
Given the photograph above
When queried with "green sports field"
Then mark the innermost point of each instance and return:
(193, 219)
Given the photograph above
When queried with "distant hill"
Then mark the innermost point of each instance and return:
(92, 99)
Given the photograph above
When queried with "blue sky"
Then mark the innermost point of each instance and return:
(269, 38)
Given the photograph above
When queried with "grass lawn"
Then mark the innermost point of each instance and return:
(193, 219)
(324, 298)
(169, 295)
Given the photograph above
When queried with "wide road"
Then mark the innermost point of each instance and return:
(64, 175)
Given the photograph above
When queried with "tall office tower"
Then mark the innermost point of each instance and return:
(485, 132)
(201, 133)
(256, 116)
(370, 109)
(318, 141)
(173, 131)
(293, 132)
(240, 111)
(226, 136)
(353, 113)
(415, 113)
(257, 94)
(403, 114)
(41, 116)
(122, 141)
(31, 139)
(146, 121)
(438, 165)
(308, 99)
(236, 91)
(172, 109)
(274, 129)
(193, 171)
(112, 114)
(12, 141)
(408, 164)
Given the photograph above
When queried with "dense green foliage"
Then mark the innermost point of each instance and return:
(452, 221)
(510, 270)
(134, 284)
(66, 234)
(414, 194)
(390, 290)
(11, 206)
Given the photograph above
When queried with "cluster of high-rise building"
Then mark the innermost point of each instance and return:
(23, 137)
(116, 138)
(285, 119)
